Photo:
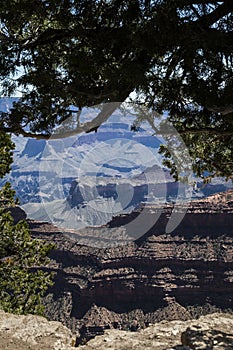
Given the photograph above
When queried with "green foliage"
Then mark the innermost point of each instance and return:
(6, 148)
(176, 55)
(22, 283)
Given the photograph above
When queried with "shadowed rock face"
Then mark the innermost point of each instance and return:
(18, 214)
(159, 276)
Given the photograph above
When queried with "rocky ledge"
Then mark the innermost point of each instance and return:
(33, 333)
(211, 332)
(158, 276)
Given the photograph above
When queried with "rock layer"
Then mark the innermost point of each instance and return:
(159, 276)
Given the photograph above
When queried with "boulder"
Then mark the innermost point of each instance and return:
(32, 333)
(202, 337)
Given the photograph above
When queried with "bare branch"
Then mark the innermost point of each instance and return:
(224, 110)
(89, 126)
(102, 117)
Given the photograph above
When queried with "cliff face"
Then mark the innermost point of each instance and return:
(159, 276)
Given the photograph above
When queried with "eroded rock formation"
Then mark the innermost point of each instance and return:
(159, 276)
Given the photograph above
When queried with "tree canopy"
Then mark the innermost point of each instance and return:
(176, 55)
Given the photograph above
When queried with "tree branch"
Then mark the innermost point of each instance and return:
(183, 3)
(211, 18)
(21, 131)
(224, 110)
(209, 38)
(49, 35)
(62, 132)
(207, 130)
(102, 117)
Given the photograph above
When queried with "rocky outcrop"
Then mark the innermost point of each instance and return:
(18, 214)
(33, 333)
(211, 332)
(200, 336)
(160, 276)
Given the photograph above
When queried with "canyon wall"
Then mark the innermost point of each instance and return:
(159, 276)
